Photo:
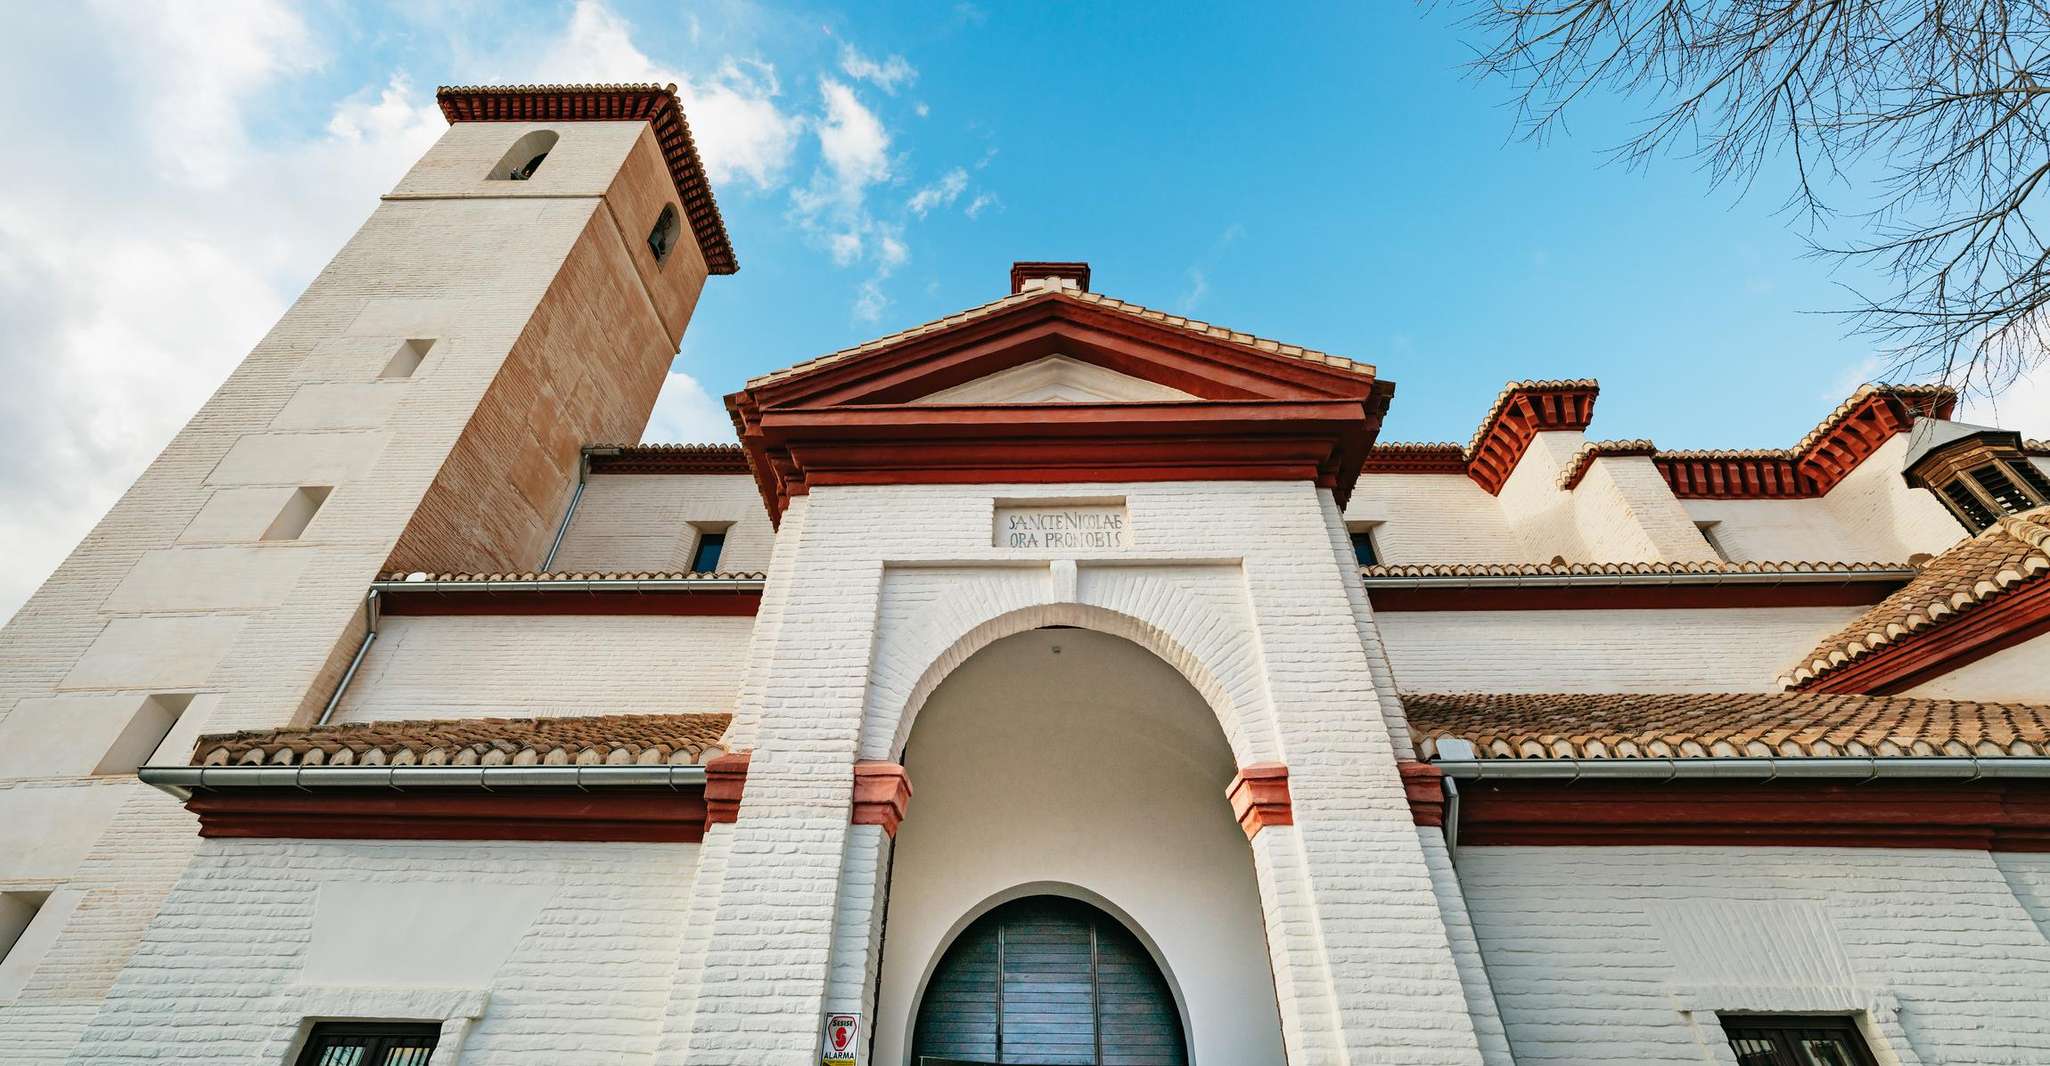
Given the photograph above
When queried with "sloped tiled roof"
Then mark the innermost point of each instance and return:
(1725, 725)
(1583, 459)
(1030, 294)
(669, 459)
(2013, 551)
(1650, 569)
(614, 739)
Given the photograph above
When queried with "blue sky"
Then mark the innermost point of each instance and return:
(1329, 176)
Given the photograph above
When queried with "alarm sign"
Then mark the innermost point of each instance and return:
(841, 1033)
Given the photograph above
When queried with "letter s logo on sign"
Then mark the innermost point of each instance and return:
(841, 1030)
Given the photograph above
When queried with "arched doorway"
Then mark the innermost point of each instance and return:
(1079, 764)
(1048, 980)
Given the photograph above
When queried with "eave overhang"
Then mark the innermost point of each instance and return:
(1257, 415)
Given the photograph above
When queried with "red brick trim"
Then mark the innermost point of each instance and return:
(1620, 597)
(1424, 786)
(1026, 270)
(721, 603)
(882, 792)
(1831, 452)
(1524, 411)
(1987, 627)
(725, 782)
(1995, 815)
(655, 104)
(1415, 459)
(645, 816)
(1259, 797)
(1734, 477)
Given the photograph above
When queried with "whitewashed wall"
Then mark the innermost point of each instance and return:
(520, 665)
(2020, 673)
(1697, 650)
(1623, 955)
(562, 951)
(1094, 772)
(644, 522)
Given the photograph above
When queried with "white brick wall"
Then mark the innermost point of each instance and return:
(1597, 953)
(576, 964)
(2020, 673)
(642, 522)
(518, 665)
(1695, 650)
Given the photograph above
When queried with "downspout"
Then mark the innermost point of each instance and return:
(576, 496)
(369, 637)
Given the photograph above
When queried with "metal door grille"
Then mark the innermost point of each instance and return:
(1787, 1040)
(369, 1044)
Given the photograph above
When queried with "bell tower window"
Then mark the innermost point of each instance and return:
(1979, 473)
(663, 237)
(525, 156)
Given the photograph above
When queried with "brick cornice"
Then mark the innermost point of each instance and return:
(656, 105)
(725, 782)
(1521, 412)
(1846, 438)
(1259, 797)
(882, 792)
(1424, 786)
(629, 815)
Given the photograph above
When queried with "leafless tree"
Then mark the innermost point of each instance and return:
(1917, 125)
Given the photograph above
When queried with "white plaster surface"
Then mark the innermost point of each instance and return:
(643, 522)
(47, 829)
(1095, 768)
(1692, 650)
(2020, 673)
(521, 665)
(1621, 955)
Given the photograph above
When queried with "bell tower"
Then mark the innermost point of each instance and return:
(423, 404)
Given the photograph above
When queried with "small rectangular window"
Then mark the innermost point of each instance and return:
(1363, 549)
(407, 358)
(1795, 1040)
(370, 1044)
(711, 544)
(144, 734)
(298, 512)
(1708, 534)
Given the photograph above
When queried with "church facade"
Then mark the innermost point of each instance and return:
(1061, 681)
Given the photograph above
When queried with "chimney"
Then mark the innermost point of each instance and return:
(1036, 275)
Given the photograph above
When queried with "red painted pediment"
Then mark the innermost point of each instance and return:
(1059, 385)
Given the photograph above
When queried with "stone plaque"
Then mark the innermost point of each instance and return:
(1059, 525)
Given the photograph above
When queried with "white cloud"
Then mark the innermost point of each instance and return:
(886, 75)
(941, 193)
(686, 413)
(983, 201)
(852, 141)
(740, 130)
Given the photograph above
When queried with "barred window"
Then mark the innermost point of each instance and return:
(369, 1044)
(1791, 1040)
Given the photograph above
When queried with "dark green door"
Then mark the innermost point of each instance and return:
(1048, 981)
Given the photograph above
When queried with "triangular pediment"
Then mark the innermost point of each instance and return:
(1056, 379)
(1053, 385)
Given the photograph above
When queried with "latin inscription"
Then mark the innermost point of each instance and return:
(1056, 528)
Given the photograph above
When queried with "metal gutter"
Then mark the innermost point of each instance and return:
(592, 584)
(576, 496)
(182, 781)
(369, 638)
(1791, 768)
(1787, 577)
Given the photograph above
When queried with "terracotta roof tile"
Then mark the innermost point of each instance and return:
(1912, 393)
(647, 739)
(1583, 460)
(2013, 551)
(1031, 294)
(1723, 725)
(669, 459)
(1621, 569)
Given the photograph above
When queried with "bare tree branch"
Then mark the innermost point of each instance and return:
(1928, 117)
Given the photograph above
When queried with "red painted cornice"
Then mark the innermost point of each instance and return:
(713, 603)
(1985, 815)
(1522, 412)
(882, 793)
(1832, 450)
(1424, 786)
(725, 784)
(1629, 597)
(1257, 415)
(640, 815)
(1924, 655)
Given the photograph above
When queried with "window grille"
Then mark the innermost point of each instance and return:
(2033, 480)
(663, 237)
(369, 1044)
(1789, 1040)
(2004, 493)
(1967, 506)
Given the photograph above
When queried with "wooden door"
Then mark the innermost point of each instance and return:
(1048, 981)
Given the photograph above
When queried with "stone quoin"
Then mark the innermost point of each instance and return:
(407, 711)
